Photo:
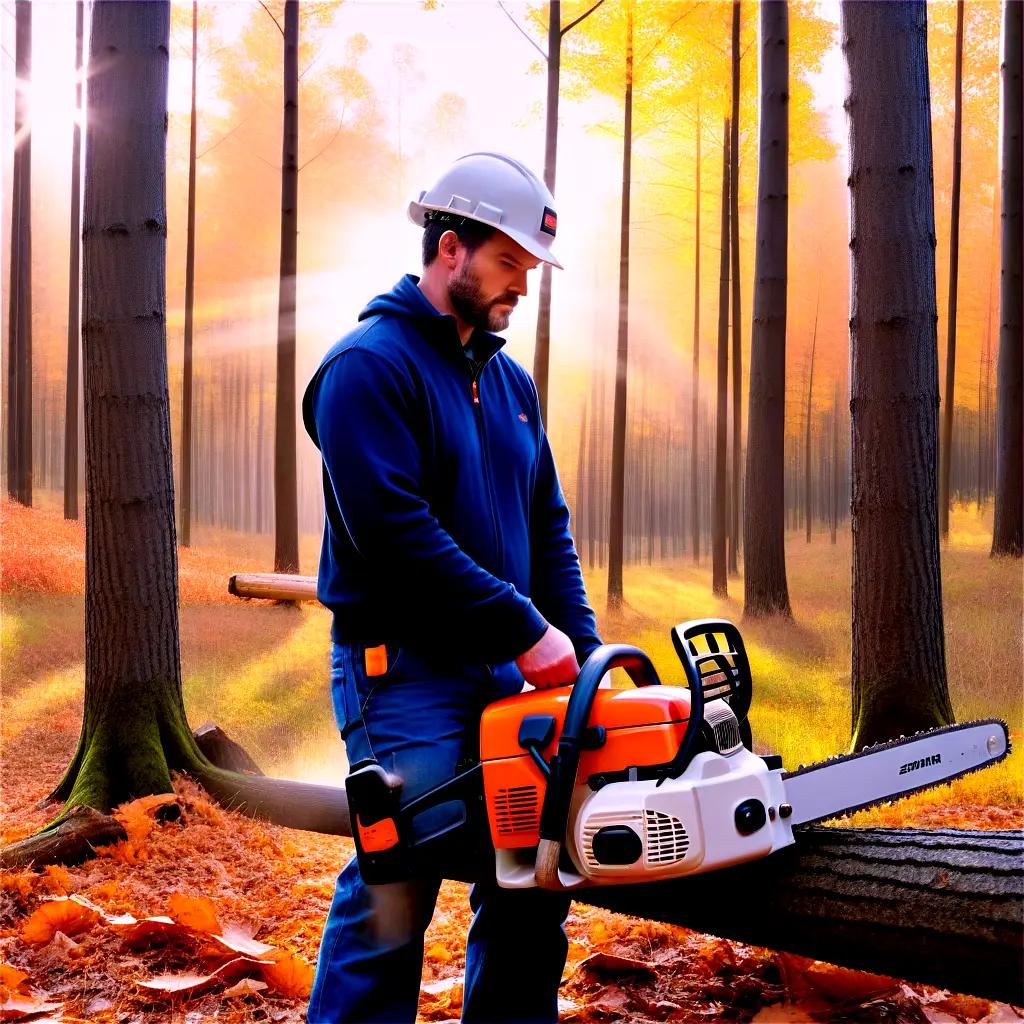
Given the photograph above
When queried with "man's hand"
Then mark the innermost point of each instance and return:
(551, 661)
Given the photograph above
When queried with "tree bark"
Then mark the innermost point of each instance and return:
(74, 325)
(719, 574)
(190, 292)
(899, 662)
(766, 591)
(286, 509)
(737, 325)
(942, 907)
(19, 359)
(954, 260)
(616, 523)
(73, 841)
(1008, 529)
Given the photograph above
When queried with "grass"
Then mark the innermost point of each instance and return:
(261, 671)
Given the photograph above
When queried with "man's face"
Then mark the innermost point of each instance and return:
(486, 284)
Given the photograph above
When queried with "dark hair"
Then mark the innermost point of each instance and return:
(471, 233)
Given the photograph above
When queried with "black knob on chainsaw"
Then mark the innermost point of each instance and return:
(617, 844)
(750, 816)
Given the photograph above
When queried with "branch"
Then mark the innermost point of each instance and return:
(221, 139)
(522, 30)
(341, 124)
(658, 41)
(573, 24)
(272, 18)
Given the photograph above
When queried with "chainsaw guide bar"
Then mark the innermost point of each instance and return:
(925, 756)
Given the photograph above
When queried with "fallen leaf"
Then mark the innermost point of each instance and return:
(19, 1007)
(175, 984)
(139, 816)
(965, 1008)
(149, 930)
(288, 974)
(239, 940)
(611, 963)
(60, 948)
(437, 987)
(245, 987)
(11, 977)
(714, 955)
(196, 912)
(782, 1013)
(817, 984)
(64, 914)
(439, 952)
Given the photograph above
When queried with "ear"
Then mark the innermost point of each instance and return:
(448, 249)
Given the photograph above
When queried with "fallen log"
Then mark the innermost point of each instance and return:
(272, 586)
(942, 907)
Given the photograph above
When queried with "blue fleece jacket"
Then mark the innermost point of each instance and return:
(446, 527)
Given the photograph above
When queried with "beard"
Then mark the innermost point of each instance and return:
(468, 301)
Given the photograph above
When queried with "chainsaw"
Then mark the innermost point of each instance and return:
(586, 785)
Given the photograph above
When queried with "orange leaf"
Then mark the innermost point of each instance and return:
(288, 974)
(17, 1007)
(964, 1007)
(196, 912)
(439, 952)
(610, 963)
(11, 976)
(66, 915)
(814, 983)
(138, 817)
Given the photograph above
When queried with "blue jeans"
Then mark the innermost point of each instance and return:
(420, 720)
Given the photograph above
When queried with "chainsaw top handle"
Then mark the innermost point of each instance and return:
(573, 739)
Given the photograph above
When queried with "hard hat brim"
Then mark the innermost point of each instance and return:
(418, 213)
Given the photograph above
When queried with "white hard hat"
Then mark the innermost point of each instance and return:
(497, 190)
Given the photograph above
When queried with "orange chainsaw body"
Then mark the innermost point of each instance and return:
(643, 726)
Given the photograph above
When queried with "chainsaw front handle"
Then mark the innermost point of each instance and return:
(565, 764)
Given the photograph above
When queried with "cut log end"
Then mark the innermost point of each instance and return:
(221, 750)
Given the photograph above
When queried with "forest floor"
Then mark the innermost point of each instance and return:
(260, 672)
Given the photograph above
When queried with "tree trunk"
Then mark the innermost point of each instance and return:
(286, 509)
(766, 591)
(542, 344)
(616, 518)
(954, 260)
(942, 907)
(74, 326)
(737, 344)
(808, 507)
(833, 491)
(695, 490)
(719, 575)
(899, 661)
(19, 359)
(1008, 529)
(190, 279)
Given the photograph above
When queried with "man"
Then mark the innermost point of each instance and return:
(448, 564)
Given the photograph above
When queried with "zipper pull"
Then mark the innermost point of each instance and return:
(476, 393)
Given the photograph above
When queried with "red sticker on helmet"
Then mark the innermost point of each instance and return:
(549, 222)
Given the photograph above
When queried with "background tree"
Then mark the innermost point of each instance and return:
(1008, 530)
(954, 256)
(899, 663)
(808, 503)
(19, 360)
(695, 374)
(134, 731)
(719, 573)
(766, 591)
(74, 326)
(286, 509)
(736, 291)
(185, 477)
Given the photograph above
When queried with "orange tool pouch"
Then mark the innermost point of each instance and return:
(376, 660)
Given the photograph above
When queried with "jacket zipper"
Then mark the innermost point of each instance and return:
(478, 409)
